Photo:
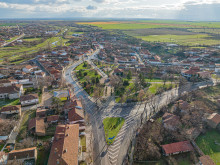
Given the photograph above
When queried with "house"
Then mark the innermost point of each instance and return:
(176, 148)
(29, 68)
(65, 145)
(76, 116)
(154, 61)
(71, 104)
(118, 72)
(41, 113)
(52, 119)
(206, 160)
(36, 126)
(11, 109)
(30, 99)
(171, 121)
(183, 106)
(11, 92)
(214, 121)
(23, 155)
(193, 71)
(5, 83)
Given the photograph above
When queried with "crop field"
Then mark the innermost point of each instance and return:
(194, 34)
(190, 40)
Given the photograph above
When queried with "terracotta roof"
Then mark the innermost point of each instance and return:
(75, 115)
(22, 154)
(11, 108)
(64, 149)
(52, 118)
(38, 124)
(172, 148)
(10, 89)
(29, 97)
(118, 70)
(72, 103)
(41, 112)
(215, 118)
(206, 160)
(29, 67)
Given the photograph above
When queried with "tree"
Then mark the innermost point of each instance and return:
(164, 78)
(57, 103)
(129, 75)
(141, 95)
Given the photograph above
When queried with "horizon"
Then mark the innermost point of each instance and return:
(190, 10)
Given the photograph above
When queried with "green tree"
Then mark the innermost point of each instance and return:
(57, 103)
(129, 75)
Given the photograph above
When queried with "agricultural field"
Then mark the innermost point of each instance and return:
(209, 143)
(194, 34)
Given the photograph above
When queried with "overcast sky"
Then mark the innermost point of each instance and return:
(208, 10)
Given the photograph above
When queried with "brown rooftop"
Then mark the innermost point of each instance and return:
(206, 160)
(11, 108)
(215, 118)
(22, 154)
(173, 148)
(29, 97)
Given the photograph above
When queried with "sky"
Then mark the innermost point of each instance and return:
(193, 10)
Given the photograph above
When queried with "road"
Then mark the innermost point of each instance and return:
(135, 114)
(7, 43)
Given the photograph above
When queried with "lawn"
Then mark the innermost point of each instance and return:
(112, 126)
(154, 87)
(42, 157)
(207, 144)
(9, 102)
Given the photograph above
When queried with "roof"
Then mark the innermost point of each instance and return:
(41, 112)
(206, 160)
(72, 103)
(183, 146)
(75, 115)
(11, 108)
(22, 154)
(65, 145)
(52, 118)
(215, 118)
(118, 70)
(10, 89)
(38, 124)
(29, 97)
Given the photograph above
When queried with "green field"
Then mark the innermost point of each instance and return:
(112, 126)
(9, 102)
(183, 33)
(155, 86)
(190, 40)
(209, 143)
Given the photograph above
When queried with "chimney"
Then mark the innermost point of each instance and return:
(58, 161)
(55, 150)
(67, 134)
(65, 151)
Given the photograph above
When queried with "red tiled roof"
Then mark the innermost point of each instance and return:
(38, 124)
(29, 97)
(172, 148)
(22, 154)
(10, 89)
(11, 108)
(52, 118)
(64, 149)
(75, 115)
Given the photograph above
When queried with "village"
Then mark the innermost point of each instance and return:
(44, 122)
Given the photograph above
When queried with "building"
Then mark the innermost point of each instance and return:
(176, 148)
(30, 99)
(171, 121)
(206, 160)
(11, 92)
(65, 145)
(41, 113)
(214, 121)
(52, 119)
(71, 104)
(36, 126)
(11, 109)
(23, 155)
(76, 116)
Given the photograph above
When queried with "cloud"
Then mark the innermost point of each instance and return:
(99, 1)
(90, 7)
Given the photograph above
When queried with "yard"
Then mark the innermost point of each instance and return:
(24, 124)
(9, 102)
(83, 143)
(112, 126)
(209, 143)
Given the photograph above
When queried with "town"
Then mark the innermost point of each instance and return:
(72, 93)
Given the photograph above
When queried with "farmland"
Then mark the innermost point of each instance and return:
(182, 33)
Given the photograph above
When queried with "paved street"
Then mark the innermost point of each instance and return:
(134, 113)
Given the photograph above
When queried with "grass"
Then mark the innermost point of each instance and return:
(32, 39)
(42, 157)
(154, 87)
(207, 144)
(112, 126)
(190, 40)
(24, 123)
(9, 102)
(1, 146)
